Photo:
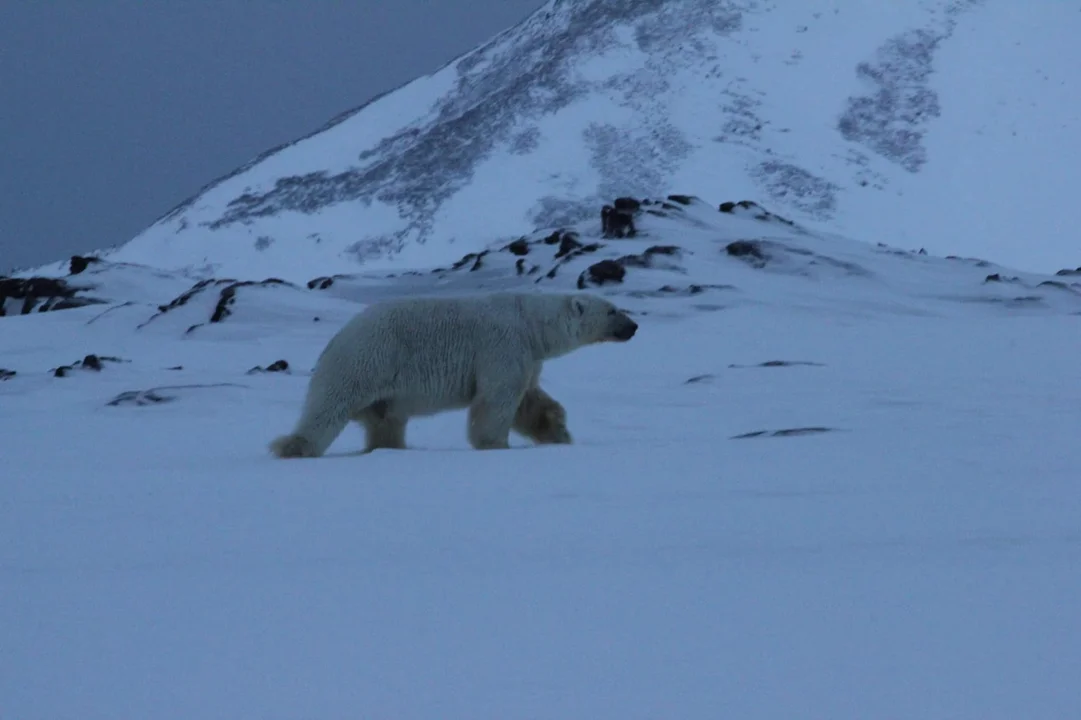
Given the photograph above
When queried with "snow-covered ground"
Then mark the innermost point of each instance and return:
(916, 557)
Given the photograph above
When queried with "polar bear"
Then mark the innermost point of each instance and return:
(421, 356)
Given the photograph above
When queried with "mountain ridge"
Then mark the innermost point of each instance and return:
(827, 113)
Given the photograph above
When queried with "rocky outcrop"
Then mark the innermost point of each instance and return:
(787, 432)
(90, 362)
(754, 210)
(613, 271)
(79, 263)
(22, 296)
(226, 289)
(275, 367)
(750, 251)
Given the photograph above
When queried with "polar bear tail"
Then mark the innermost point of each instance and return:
(324, 417)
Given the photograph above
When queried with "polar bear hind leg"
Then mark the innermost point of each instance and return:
(383, 429)
(325, 415)
(542, 419)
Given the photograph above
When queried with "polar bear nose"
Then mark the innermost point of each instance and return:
(626, 330)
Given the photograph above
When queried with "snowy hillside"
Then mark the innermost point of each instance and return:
(919, 124)
(826, 479)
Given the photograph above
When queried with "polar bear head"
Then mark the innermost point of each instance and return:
(595, 320)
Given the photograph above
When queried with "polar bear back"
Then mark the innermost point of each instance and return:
(426, 353)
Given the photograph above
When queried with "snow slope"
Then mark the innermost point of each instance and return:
(945, 124)
(908, 549)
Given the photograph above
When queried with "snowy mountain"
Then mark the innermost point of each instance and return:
(833, 475)
(918, 124)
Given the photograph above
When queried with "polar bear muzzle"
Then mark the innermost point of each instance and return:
(622, 328)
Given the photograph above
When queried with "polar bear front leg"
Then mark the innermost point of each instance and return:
(542, 419)
(492, 412)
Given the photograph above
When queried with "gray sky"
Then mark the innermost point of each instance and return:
(113, 111)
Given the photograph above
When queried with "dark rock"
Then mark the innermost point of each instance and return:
(225, 299)
(1068, 271)
(681, 199)
(90, 362)
(781, 363)
(748, 250)
(320, 283)
(618, 221)
(613, 271)
(476, 258)
(276, 366)
(627, 204)
(519, 247)
(690, 290)
(6, 374)
(554, 238)
(790, 432)
(740, 248)
(81, 262)
(184, 297)
(605, 271)
(42, 294)
(1056, 284)
(727, 207)
(698, 379)
(575, 252)
(228, 296)
(671, 291)
(645, 259)
(567, 244)
(760, 212)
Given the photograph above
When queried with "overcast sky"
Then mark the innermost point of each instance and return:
(113, 111)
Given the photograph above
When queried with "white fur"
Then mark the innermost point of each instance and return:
(421, 356)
